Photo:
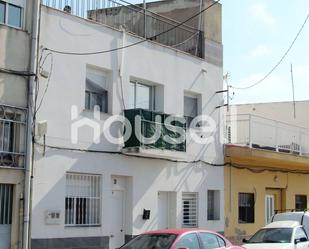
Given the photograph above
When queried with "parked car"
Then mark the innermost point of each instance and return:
(301, 217)
(179, 239)
(279, 235)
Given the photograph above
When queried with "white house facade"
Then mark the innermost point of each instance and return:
(89, 192)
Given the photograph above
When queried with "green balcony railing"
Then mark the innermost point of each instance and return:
(149, 125)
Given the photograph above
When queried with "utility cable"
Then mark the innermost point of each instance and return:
(278, 63)
(16, 72)
(128, 155)
(260, 169)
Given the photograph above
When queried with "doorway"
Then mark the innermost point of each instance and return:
(117, 218)
(6, 201)
(166, 209)
(273, 203)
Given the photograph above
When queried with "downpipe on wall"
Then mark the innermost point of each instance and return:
(33, 64)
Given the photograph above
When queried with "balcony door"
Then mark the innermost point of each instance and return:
(141, 96)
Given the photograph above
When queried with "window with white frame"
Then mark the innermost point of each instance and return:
(97, 88)
(190, 108)
(213, 205)
(141, 96)
(10, 14)
(189, 209)
(83, 200)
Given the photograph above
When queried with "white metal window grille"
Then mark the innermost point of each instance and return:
(6, 200)
(12, 136)
(246, 212)
(190, 209)
(269, 208)
(83, 200)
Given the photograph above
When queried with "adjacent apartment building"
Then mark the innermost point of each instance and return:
(268, 158)
(90, 190)
(16, 18)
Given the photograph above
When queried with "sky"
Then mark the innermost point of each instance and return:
(256, 34)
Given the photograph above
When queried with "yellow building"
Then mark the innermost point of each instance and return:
(267, 171)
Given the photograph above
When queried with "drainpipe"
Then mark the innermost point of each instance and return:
(145, 19)
(33, 60)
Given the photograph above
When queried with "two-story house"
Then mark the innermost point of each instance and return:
(89, 188)
(267, 153)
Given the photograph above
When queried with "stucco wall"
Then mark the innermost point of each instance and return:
(14, 54)
(148, 177)
(148, 62)
(170, 69)
(244, 181)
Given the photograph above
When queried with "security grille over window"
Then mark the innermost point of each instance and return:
(6, 200)
(246, 204)
(190, 209)
(301, 202)
(83, 200)
(12, 136)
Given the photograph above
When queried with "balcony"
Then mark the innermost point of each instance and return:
(266, 134)
(133, 17)
(12, 136)
(153, 131)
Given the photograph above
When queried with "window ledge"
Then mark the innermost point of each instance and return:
(82, 226)
(102, 114)
(12, 27)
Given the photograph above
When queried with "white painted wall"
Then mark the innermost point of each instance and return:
(14, 54)
(175, 71)
(148, 177)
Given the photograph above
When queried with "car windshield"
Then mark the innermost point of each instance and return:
(151, 241)
(272, 235)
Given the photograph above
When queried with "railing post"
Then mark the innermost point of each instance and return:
(276, 136)
(250, 131)
(300, 142)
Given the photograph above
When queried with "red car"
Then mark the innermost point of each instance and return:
(179, 239)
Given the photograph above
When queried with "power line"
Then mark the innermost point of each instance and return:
(278, 63)
(128, 155)
(136, 43)
(16, 72)
(260, 169)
